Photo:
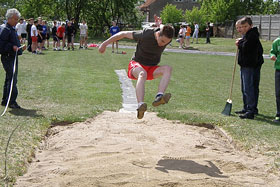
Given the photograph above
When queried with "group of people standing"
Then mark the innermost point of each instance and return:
(185, 33)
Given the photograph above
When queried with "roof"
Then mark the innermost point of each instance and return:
(147, 4)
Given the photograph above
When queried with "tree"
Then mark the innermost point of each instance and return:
(170, 14)
(195, 16)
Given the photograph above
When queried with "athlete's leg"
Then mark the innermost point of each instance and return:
(141, 75)
(165, 72)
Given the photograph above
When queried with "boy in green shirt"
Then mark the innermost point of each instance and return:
(275, 56)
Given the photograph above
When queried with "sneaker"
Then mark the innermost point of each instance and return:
(14, 106)
(161, 99)
(73, 48)
(141, 110)
(80, 47)
(240, 112)
(54, 49)
(247, 115)
(276, 120)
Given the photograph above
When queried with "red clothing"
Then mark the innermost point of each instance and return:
(60, 31)
(149, 69)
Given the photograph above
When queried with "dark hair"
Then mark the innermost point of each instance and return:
(36, 21)
(246, 20)
(167, 31)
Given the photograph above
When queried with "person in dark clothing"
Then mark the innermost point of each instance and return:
(69, 32)
(250, 59)
(208, 32)
(54, 30)
(10, 48)
(28, 30)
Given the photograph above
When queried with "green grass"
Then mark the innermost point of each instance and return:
(72, 86)
(217, 44)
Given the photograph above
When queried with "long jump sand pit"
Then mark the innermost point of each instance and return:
(117, 149)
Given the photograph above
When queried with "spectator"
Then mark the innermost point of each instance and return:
(9, 47)
(195, 33)
(83, 35)
(44, 33)
(275, 56)
(60, 35)
(114, 30)
(40, 35)
(182, 33)
(188, 35)
(21, 30)
(34, 37)
(250, 59)
(28, 30)
(69, 32)
(208, 33)
(48, 34)
(55, 40)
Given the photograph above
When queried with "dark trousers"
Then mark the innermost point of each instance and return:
(250, 80)
(208, 37)
(29, 43)
(8, 64)
(277, 91)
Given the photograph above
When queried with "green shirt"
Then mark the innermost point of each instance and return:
(275, 51)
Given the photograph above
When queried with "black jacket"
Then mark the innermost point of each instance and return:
(250, 49)
(8, 39)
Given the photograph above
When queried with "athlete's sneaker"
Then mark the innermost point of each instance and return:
(141, 110)
(161, 99)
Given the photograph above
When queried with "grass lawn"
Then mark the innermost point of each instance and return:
(70, 86)
(217, 44)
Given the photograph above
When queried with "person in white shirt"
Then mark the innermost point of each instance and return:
(21, 31)
(83, 35)
(182, 33)
(34, 35)
(195, 33)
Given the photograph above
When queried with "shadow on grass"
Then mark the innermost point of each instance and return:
(25, 112)
(266, 119)
(189, 166)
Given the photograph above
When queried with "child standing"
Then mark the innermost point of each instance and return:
(275, 56)
(114, 30)
(250, 59)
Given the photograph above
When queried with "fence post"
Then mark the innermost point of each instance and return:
(269, 28)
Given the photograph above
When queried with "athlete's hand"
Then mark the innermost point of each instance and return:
(102, 48)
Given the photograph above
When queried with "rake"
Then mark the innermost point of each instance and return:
(228, 106)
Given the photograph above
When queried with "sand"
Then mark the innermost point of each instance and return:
(117, 149)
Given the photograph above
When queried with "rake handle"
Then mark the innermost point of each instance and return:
(233, 74)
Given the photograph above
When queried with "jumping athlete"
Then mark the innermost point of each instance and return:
(151, 42)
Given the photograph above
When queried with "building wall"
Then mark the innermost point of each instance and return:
(158, 6)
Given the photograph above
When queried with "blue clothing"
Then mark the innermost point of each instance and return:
(250, 80)
(9, 39)
(44, 29)
(114, 30)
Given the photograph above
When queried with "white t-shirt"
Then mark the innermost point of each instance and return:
(83, 29)
(34, 28)
(21, 28)
(182, 32)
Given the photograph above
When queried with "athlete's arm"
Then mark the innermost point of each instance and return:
(114, 38)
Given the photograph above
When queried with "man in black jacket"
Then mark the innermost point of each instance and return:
(250, 59)
(10, 48)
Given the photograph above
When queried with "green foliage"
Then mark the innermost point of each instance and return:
(170, 14)
(195, 16)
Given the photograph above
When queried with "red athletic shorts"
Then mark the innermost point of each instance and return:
(149, 69)
(34, 38)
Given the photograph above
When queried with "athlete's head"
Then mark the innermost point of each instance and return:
(165, 36)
